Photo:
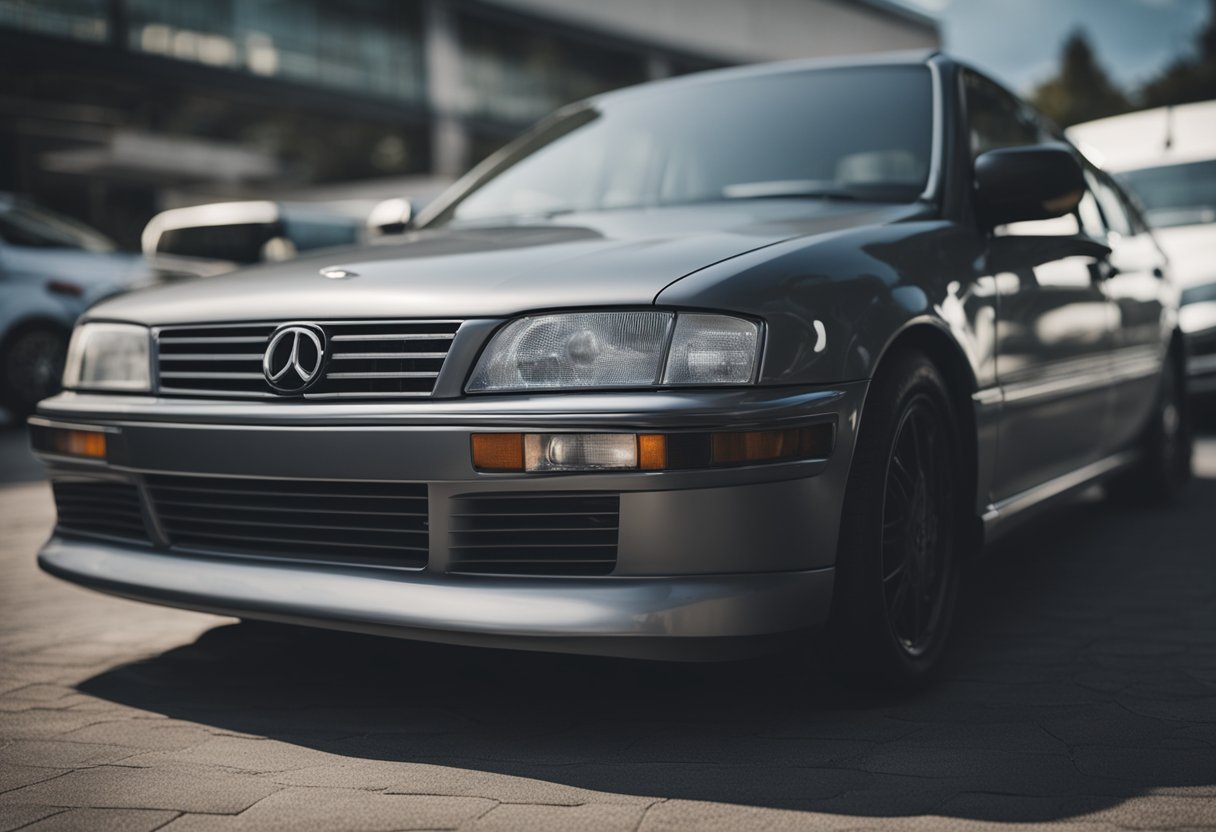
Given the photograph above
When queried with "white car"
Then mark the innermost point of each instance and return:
(1167, 158)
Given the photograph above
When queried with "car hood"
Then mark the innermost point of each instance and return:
(1190, 249)
(607, 258)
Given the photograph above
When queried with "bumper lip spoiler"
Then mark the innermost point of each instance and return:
(682, 617)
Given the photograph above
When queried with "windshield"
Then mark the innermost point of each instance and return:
(21, 224)
(849, 133)
(1176, 194)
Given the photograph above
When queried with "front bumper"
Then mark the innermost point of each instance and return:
(709, 563)
(692, 617)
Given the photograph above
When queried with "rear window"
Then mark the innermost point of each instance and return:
(1175, 194)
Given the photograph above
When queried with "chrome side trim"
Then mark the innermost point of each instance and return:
(999, 516)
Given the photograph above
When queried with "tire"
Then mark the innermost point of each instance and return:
(31, 367)
(1166, 447)
(902, 529)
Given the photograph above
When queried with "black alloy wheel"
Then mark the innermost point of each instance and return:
(917, 527)
(898, 564)
(31, 368)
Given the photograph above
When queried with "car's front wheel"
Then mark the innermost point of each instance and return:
(1166, 446)
(898, 562)
(31, 367)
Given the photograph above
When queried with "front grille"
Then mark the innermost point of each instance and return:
(100, 508)
(358, 523)
(566, 533)
(372, 360)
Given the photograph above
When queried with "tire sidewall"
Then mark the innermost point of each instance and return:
(14, 400)
(860, 631)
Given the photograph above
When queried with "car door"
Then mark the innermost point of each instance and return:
(1054, 320)
(1132, 280)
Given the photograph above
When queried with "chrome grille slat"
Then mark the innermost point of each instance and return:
(368, 359)
(530, 533)
(216, 375)
(397, 336)
(382, 375)
(347, 356)
(352, 523)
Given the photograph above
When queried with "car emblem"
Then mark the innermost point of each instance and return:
(294, 358)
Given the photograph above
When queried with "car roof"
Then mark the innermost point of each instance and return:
(1150, 138)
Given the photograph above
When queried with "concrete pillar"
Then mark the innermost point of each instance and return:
(449, 135)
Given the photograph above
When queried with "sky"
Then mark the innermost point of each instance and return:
(1018, 41)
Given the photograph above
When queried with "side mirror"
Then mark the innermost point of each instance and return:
(392, 216)
(1038, 182)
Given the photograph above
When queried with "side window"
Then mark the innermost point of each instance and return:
(996, 119)
(1090, 217)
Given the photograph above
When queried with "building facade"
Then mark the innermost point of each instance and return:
(111, 110)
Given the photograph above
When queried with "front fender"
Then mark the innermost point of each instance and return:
(833, 303)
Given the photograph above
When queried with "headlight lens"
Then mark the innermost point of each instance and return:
(712, 349)
(106, 356)
(618, 349)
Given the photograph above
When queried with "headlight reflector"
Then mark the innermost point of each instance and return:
(618, 349)
(105, 356)
(712, 349)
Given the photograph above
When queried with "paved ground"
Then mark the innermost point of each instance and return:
(1082, 696)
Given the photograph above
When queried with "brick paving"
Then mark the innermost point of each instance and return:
(1082, 696)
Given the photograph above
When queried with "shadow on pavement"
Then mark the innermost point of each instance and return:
(1084, 674)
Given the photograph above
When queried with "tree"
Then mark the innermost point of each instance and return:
(1188, 79)
(1082, 90)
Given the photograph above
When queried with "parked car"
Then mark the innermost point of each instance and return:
(51, 268)
(688, 371)
(218, 237)
(1167, 158)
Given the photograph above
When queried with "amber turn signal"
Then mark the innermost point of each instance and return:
(652, 451)
(498, 451)
(70, 442)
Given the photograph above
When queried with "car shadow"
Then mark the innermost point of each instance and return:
(1084, 674)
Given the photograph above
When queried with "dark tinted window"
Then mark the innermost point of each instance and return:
(1176, 194)
(238, 243)
(306, 233)
(995, 118)
(861, 133)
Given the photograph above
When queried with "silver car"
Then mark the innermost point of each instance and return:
(690, 371)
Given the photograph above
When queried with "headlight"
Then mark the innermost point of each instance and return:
(618, 349)
(108, 357)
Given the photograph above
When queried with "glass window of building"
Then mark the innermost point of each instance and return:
(78, 19)
(366, 46)
(513, 73)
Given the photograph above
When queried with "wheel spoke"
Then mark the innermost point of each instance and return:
(914, 532)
